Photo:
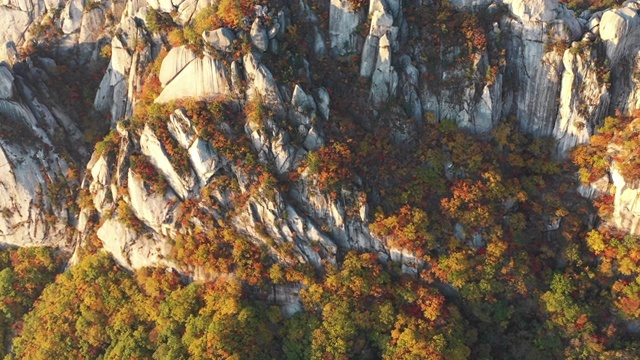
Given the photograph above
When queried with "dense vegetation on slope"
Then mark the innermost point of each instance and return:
(616, 142)
(24, 273)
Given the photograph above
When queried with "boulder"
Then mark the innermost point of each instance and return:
(259, 37)
(15, 24)
(583, 100)
(392, 7)
(261, 83)
(176, 60)
(409, 82)
(567, 27)
(104, 94)
(381, 23)
(593, 25)
(274, 30)
(180, 128)
(151, 208)
(199, 78)
(343, 22)
(261, 11)
(6, 83)
(369, 56)
(385, 79)
(586, 14)
(483, 118)
(92, 26)
(99, 186)
(313, 141)
(188, 8)
(533, 10)
(618, 30)
(220, 39)
(113, 89)
(589, 36)
(130, 249)
(323, 102)
(319, 47)
(72, 16)
(626, 213)
(284, 21)
(204, 159)
(100, 171)
(632, 4)
(302, 102)
(283, 153)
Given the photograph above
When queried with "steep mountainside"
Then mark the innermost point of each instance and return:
(240, 138)
(274, 74)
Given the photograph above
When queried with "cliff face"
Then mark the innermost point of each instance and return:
(37, 162)
(556, 72)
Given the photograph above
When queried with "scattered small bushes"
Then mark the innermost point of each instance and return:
(357, 4)
(233, 12)
(159, 21)
(91, 5)
(616, 141)
(109, 145)
(255, 110)
(177, 155)
(176, 37)
(220, 125)
(105, 52)
(128, 218)
(141, 166)
(593, 5)
(331, 165)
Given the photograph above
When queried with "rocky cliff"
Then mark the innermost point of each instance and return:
(278, 78)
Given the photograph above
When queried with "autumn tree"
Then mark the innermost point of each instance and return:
(24, 273)
(93, 310)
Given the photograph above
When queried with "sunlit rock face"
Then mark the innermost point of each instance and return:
(584, 100)
(192, 76)
(33, 173)
(626, 214)
(343, 21)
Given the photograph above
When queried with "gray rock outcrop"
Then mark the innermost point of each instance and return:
(626, 213)
(259, 37)
(384, 81)
(175, 61)
(182, 184)
(343, 22)
(200, 77)
(220, 39)
(583, 100)
(33, 172)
